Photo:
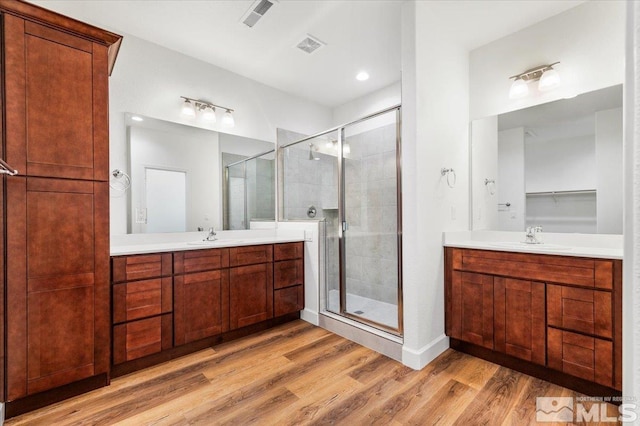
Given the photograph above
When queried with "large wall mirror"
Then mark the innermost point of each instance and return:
(185, 178)
(557, 165)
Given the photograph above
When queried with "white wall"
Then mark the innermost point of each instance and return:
(436, 105)
(511, 180)
(560, 164)
(609, 173)
(191, 150)
(588, 40)
(149, 80)
(484, 152)
(368, 104)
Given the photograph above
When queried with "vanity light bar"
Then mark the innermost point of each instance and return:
(201, 104)
(534, 73)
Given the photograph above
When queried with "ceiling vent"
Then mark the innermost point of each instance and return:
(310, 44)
(256, 11)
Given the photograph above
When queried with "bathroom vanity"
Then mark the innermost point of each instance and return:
(186, 296)
(554, 313)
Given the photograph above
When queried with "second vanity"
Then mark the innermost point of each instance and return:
(172, 297)
(551, 310)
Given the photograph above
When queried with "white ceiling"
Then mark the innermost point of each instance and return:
(360, 35)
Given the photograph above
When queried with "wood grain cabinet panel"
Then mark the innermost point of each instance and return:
(288, 273)
(519, 319)
(141, 299)
(136, 339)
(58, 287)
(472, 308)
(66, 76)
(287, 251)
(250, 255)
(582, 356)
(200, 260)
(251, 294)
(287, 300)
(582, 310)
(201, 305)
(140, 267)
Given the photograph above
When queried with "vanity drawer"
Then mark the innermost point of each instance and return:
(140, 267)
(287, 300)
(582, 356)
(140, 338)
(288, 251)
(288, 273)
(583, 310)
(536, 267)
(200, 260)
(142, 299)
(250, 255)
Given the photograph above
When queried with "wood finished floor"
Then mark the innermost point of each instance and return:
(298, 374)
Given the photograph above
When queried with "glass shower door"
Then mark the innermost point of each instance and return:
(370, 226)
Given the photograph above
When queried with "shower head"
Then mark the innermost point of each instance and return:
(311, 156)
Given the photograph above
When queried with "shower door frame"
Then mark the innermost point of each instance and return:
(342, 214)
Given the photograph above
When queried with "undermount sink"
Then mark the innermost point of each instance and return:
(522, 245)
(214, 242)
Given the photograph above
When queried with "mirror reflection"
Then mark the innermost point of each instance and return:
(556, 165)
(185, 178)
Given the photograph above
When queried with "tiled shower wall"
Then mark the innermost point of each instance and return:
(371, 213)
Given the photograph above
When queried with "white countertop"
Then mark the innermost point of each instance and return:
(155, 243)
(576, 245)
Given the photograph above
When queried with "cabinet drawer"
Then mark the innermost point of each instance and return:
(288, 273)
(250, 255)
(200, 260)
(288, 251)
(288, 300)
(140, 267)
(140, 338)
(582, 356)
(140, 299)
(536, 267)
(583, 310)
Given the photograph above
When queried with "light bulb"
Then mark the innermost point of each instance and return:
(209, 114)
(188, 110)
(550, 79)
(362, 76)
(519, 89)
(137, 118)
(228, 120)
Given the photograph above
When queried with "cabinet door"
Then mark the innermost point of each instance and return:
(201, 305)
(519, 319)
(472, 308)
(58, 283)
(251, 291)
(57, 123)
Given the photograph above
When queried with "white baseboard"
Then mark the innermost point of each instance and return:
(418, 359)
(310, 316)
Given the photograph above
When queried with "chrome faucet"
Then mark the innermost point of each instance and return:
(211, 236)
(532, 235)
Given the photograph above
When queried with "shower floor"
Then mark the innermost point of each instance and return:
(374, 310)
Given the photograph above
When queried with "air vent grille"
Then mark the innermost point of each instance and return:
(256, 11)
(310, 44)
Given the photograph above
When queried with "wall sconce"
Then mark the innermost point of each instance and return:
(207, 111)
(547, 77)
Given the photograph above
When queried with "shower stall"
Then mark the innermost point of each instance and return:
(349, 176)
(248, 189)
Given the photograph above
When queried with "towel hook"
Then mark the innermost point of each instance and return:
(448, 173)
(491, 185)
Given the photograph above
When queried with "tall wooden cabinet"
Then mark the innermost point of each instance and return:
(56, 219)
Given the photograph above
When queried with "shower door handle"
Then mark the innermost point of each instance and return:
(345, 226)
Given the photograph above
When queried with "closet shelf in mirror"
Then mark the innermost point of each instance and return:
(553, 193)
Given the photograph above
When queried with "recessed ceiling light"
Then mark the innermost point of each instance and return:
(137, 118)
(362, 76)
